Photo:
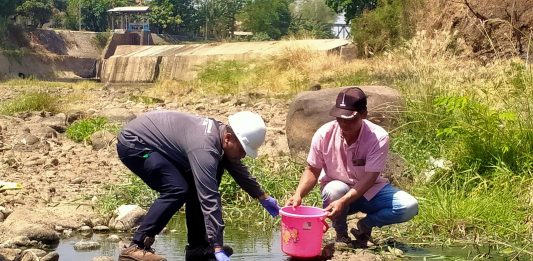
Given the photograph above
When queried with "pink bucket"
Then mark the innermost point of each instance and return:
(302, 229)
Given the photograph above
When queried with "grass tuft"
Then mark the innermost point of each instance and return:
(32, 101)
(81, 130)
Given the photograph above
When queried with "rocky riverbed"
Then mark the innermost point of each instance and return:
(61, 179)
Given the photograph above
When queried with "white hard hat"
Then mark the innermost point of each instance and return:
(250, 129)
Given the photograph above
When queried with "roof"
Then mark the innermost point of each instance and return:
(130, 9)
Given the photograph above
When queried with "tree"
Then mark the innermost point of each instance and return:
(7, 7)
(221, 16)
(187, 10)
(316, 11)
(351, 8)
(94, 14)
(162, 15)
(37, 12)
(272, 17)
(312, 18)
(386, 26)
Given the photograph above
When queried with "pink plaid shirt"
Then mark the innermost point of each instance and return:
(338, 161)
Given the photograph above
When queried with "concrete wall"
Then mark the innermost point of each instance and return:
(181, 62)
(46, 67)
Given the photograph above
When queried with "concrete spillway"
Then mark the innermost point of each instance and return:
(131, 63)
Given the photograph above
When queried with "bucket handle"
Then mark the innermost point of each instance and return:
(326, 226)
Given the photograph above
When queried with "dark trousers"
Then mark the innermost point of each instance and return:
(175, 189)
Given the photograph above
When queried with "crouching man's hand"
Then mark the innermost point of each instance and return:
(271, 205)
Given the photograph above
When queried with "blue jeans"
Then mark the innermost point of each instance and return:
(389, 206)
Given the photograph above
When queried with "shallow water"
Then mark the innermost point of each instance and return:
(248, 243)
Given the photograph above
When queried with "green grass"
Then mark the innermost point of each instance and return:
(237, 204)
(31, 101)
(133, 191)
(81, 130)
(482, 192)
(223, 77)
(278, 181)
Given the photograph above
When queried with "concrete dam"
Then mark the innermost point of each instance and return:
(134, 63)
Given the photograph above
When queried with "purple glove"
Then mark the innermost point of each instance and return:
(221, 256)
(271, 205)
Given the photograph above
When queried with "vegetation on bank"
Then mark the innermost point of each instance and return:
(466, 134)
(31, 101)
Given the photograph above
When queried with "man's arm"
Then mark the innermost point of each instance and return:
(353, 194)
(307, 182)
(242, 177)
(204, 165)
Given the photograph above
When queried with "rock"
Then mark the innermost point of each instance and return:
(102, 139)
(52, 256)
(73, 116)
(77, 180)
(28, 139)
(67, 233)
(102, 258)
(56, 122)
(310, 110)
(40, 234)
(9, 253)
(101, 228)
(38, 252)
(16, 242)
(28, 256)
(349, 52)
(85, 229)
(113, 238)
(5, 211)
(128, 216)
(117, 115)
(86, 245)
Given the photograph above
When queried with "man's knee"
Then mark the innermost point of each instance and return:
(407, 206)
(175, 192)
(334, 190)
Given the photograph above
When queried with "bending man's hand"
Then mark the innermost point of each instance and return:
(335, 208)
(220, 255)
(271, 205)
(294, 201)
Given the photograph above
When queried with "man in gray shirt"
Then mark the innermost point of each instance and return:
(183, 157)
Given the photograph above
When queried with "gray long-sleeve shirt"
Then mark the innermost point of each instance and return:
(194, 144)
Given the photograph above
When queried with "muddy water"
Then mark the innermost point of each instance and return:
(248, 242)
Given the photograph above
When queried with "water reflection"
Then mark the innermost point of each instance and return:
(249, 242)
(253, 242)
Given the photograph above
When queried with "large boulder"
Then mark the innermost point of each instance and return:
(310, 110)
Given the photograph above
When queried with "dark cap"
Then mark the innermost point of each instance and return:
(350, 101)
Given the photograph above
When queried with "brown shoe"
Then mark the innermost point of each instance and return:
(134, 253)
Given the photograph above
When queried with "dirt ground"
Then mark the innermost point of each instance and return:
(62, 179)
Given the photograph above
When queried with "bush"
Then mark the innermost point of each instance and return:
(385, 26)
